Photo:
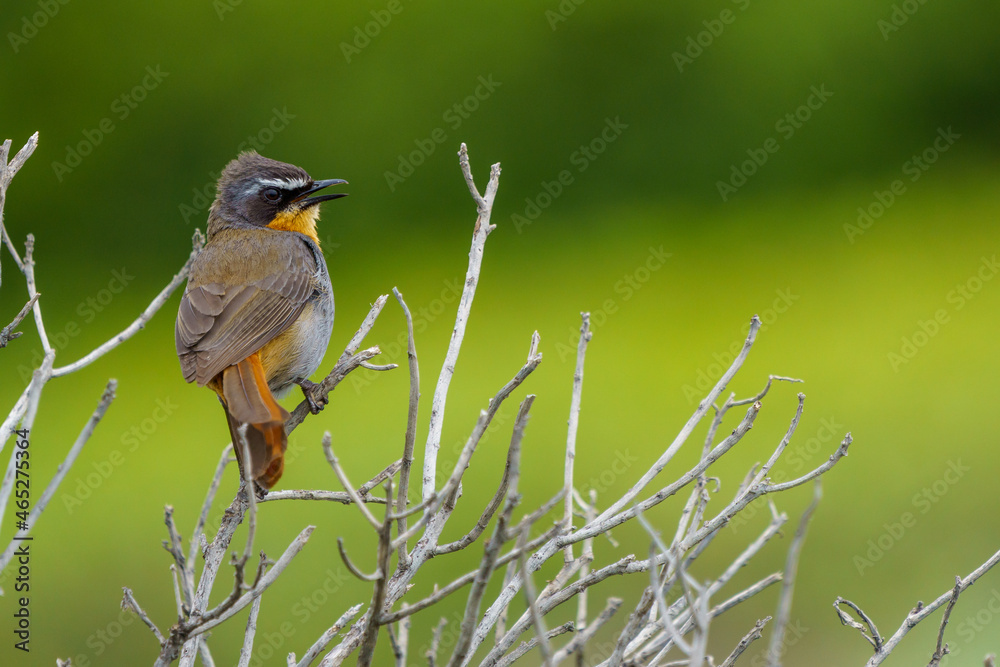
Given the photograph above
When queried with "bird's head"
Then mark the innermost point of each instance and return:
(259, 191)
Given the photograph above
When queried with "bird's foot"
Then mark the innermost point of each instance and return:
(311, 391)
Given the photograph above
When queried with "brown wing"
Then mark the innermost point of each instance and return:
(221, 322)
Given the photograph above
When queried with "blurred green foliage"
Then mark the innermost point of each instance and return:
(154, 99)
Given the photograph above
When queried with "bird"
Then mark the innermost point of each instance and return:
(257, 313)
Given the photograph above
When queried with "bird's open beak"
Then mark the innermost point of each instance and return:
(308, 201)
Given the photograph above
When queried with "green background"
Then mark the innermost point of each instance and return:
(783, 241)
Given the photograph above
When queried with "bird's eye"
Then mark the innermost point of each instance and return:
(271, 194)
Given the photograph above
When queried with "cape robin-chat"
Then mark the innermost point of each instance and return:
(257, 312)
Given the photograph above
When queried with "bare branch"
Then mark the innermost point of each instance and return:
(8, 334)
(364, 329)
(920, 612)
(246, 652)
(484, 205)
(7, 172)
(16, 413)
(272, 574)
(827, 465)
(128, 602)
(748, 639)
(410, 438)
(526, 646)
(766, 468)
(432, 651)
(496, 542)
(182, 608)
(868, 630)
(688, 427)
(350, 565)
(599, 525)
(367, 651)
(328, 637)
(173, 545)
(440, 504)
(329, 383)
(574, 423)
(495, 501)
(587, 557)
(379, 367)
(536, 616)
(29, 279)
(346, 483)
(310, 494)
(250, 487)
(508, 558)
(380, 478)
(784, 610)
(942, 650)
(584, 635)
(401, 641)
(199, 529)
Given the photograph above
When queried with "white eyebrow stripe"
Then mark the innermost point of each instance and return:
(289, 184)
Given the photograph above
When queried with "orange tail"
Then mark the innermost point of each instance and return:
(252, 410)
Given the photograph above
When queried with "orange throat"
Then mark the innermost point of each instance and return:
(300, 220)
